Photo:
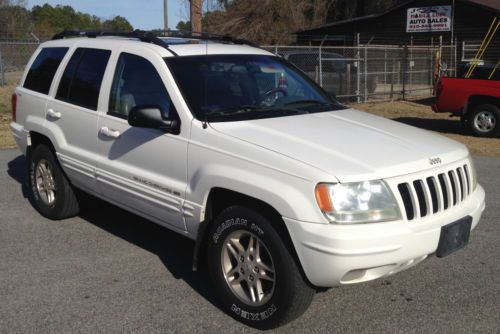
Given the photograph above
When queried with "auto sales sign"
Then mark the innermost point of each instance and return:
(428, 19)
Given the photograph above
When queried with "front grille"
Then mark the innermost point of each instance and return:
(436, 193)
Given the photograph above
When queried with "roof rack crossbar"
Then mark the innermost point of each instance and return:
(143, 36)
(154, 37)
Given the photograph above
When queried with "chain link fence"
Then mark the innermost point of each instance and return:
(367, 73)
(2, 72)
(14, 55)
(353, 74)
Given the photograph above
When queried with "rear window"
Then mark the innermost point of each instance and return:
(43, 69)
(82, 78)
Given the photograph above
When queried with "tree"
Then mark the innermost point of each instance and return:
(46, 20)
(183, 25)
(267, 21)
(14, 18)
(118, 23)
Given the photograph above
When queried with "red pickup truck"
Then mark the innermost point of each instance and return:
(476, 101)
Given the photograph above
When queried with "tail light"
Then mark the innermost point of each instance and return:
(14, 107)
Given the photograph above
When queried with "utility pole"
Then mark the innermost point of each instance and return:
(195, 14)
(165, 14)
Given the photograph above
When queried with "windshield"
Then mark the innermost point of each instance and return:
(222, 88)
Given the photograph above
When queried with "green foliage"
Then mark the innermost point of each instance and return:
(118, 23)
(347, 9)
(46, 20)
(183, 25)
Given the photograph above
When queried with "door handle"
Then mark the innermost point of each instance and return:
(110, 133)
(53, 114)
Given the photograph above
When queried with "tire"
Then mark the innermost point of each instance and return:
(484, 121)
(50, 191)
(279, 302)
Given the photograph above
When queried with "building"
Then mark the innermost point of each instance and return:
(463, 23)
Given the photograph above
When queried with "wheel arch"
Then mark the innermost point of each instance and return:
(221, 198)
(475, 100)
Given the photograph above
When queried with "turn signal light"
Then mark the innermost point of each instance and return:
(323, 198)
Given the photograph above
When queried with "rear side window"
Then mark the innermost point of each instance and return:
(82, 78)
(43, 69)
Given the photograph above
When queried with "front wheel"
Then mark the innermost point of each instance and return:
(51, 193)
(254, 273)
(484, 121)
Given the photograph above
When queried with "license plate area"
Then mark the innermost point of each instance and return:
(454, 236)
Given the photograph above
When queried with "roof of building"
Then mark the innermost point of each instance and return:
(488, 4)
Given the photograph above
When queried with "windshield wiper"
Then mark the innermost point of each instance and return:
(235, 110)
(252, 112)
(308, 102)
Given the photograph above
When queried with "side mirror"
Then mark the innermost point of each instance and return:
(150, 116)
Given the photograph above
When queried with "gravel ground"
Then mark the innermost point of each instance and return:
(420, 114)
(110, 271)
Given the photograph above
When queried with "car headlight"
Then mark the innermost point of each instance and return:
(360, 202)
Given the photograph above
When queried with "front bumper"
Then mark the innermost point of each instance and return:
(333, 255)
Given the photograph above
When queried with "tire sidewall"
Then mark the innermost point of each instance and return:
(496, 113)
(238, 218)
(43, 152)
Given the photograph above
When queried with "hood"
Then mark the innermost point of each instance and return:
(348, 144)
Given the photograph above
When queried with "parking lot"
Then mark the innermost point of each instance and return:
(110, 271)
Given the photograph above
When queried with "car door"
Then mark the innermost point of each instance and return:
(72, 114)
(142, 169)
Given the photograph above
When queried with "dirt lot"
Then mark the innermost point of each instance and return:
(6, 139)
(417, 113)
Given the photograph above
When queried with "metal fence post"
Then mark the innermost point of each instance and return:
(431, 69)
(385, 69)
(365, 98)
(358, 69)
(2, 72)
(404, 71)
(455, 58)
(320, 66)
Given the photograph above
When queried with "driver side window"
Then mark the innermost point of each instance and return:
(136, 82)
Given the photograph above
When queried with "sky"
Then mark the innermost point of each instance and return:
(142, 14)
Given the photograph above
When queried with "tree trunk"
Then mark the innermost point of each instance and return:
(195, 15)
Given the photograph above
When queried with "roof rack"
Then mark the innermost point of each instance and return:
(154, 36)
(143, 36)
(202, 36)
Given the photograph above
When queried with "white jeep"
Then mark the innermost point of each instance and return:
(283, 189)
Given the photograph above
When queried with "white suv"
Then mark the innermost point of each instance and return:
(283, 189)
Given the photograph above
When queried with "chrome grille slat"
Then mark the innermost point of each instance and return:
(453, 185)
(427, 196)
(462, 183)
(439, 193)
(467, 175)
(414, 200)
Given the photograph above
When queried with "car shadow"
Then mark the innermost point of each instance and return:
(17, 170)
(174, 250)
(427, 101)
(452, 125)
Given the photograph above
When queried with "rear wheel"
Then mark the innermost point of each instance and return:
(51, 193)
(484, 121)
(254, 273)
